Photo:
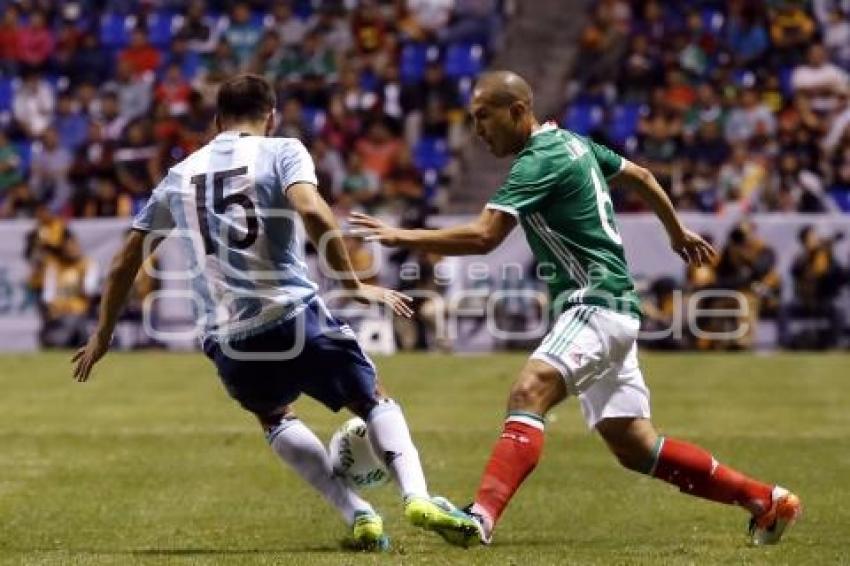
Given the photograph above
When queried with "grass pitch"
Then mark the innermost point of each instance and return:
(152, 463)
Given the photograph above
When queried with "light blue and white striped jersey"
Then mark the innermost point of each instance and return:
(226, 203)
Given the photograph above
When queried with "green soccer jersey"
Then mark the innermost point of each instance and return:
(557, 189)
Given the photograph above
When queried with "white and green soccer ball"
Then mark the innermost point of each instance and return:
(353, 458)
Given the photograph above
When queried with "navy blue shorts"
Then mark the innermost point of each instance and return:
(331, 367)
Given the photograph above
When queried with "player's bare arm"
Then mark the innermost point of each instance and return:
(325, 234)
(478, 237)
(689, 245)
(122, 272)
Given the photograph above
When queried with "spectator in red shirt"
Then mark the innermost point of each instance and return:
(174, 90)
(68, 35)
(368, 27)
(68, 40)
(403, 186)
(140, 54)
(196, 125)
(342, 126)
(137, 162)
(379, 150)
(9, 39)
(166, 135)
(35, 41)
(680, 95)
(92, 160)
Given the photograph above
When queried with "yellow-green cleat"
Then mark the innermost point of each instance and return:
(437, 514)
(367, 533)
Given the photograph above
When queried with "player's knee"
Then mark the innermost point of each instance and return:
(631, 441)
(362, 407)
(273, 422)
(535, 391)
(273, 418)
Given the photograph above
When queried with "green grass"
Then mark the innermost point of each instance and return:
(152, 463)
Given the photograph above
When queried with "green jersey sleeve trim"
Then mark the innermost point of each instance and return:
(503, 208)
(619, 170)
(610, 162)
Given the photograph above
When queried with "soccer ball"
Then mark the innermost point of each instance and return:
(353, 459)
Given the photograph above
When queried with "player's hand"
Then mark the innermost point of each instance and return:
(85, 358)
(373, 230)
(399, 302)
(693, 249)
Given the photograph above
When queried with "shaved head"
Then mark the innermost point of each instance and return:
(503, 88)
(502, 113)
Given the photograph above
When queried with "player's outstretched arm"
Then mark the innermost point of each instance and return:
(689, 245)
(478, 237)
(122, 272)
(325, 234)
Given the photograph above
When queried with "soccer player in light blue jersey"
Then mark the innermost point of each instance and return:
(233, 205)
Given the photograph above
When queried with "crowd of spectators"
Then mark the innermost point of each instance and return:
(735, 105)
(743, 287)
(99, 97)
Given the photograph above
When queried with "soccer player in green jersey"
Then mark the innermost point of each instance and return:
(557, 189)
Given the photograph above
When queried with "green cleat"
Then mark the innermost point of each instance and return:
(367, 533)
(437, 514)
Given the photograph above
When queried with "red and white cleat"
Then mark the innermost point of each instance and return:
(769, 527)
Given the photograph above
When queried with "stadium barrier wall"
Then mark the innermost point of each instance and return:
(646, 244)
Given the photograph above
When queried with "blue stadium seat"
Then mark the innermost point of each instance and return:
(160, 28)
(257, 19)
(623, 122)
(7, 92)
(743, 78)
(414, 57)
(431, 153)
(24, 151)
(464, 60)
(369, 80)
(303, 8)
(583, 118)
(191, 65)
(841, 198)
(785, 81)
(59, 83)
(314, 117)
(464, 87)
(113, 30)
(712, 20)
(431, 182)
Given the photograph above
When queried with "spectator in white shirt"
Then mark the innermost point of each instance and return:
(838, 125)
(427, 17)
(836, 38)
(819, 79)
(749, 119)
(49, 177)
(288, 26)
(824, 8)
(111, 117)
(33, 104)
(134, 91)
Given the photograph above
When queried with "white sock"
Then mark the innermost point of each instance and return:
(391, 440)
(300, 448)
(486, 519)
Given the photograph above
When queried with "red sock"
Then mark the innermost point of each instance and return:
(514, 456)
(695, 472)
